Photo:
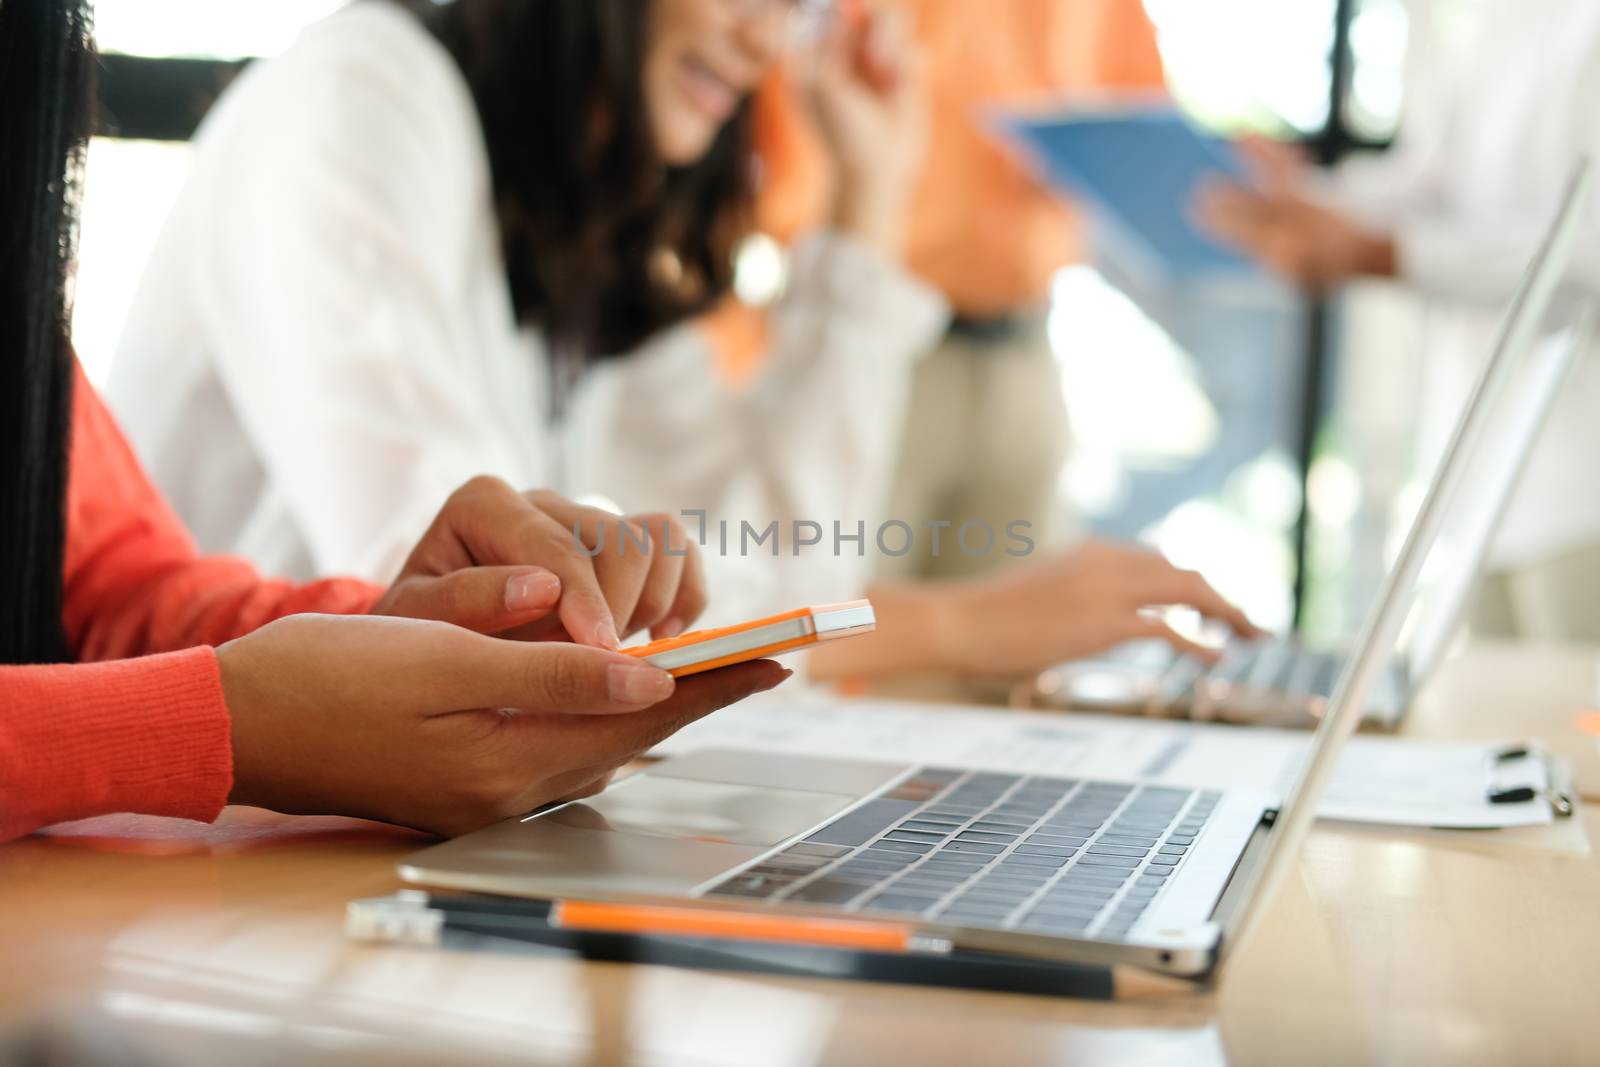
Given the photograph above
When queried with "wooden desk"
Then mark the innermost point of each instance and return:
(1402, 948)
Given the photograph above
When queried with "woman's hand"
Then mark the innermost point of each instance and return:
(499, 561)
(435, 727)
(1274, 222)
(871, 107)
(1032, 616)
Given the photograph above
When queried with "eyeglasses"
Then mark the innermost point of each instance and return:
(807, 20)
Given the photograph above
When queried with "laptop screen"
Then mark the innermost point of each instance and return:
(1382, 628)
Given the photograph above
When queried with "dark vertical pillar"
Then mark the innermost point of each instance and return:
(1328, 147)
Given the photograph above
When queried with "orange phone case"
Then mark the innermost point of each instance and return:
(698, 637)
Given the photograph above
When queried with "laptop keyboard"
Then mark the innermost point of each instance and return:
(1015, 852)
(1278, 665)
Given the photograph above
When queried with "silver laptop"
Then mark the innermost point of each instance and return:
(1283, 682)
(1105, 874)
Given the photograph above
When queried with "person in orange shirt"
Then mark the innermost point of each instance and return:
(986, 432)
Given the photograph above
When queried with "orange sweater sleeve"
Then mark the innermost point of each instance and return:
(134, 581)
(147, 734)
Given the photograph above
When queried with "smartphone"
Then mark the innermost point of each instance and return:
(705, 650)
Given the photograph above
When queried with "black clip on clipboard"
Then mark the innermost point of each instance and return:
(1558, 791)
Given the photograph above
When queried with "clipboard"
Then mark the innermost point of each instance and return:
(1136, 166)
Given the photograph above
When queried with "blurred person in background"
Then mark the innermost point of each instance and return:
(435, 240)
(986, 431)
(1455, 211)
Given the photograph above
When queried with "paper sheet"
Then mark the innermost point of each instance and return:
(1393, 781)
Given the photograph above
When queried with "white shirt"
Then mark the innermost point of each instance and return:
(323, 345)
(1473, 183)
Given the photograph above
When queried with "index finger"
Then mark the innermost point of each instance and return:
(691, 597)
(583, 609)
(1189, 588)
(502, 527)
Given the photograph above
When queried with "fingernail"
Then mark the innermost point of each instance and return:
(537, 589)
(605, 635)
(637, 684)
(669, 627)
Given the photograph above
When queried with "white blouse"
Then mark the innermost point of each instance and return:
(323, 346)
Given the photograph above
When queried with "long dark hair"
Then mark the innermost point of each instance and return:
(46, 73)
(604, 245)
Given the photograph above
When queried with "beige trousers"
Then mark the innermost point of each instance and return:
(1556, 599)
(986, 435)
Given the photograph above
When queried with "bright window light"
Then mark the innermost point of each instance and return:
(1130, 390)
(128, 189)
(1250, 63)
(224, 29)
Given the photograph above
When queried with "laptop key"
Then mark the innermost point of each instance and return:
(1086, 909)
(1043, 850)
(803, 864)
(992, 837)
(1173, 850)
(863, 824)
(811, 848)
(900, 902)
(902, 846)
(1057, 902)
(1059, 840)
(1115, 850)
(1049, 925)
(1006, 905)
(932, 827)
(1026, 860)
(982, 847)
(830, 891)
(975, 916)
(912, 835)
(1164, 861)
(1013, 890)
(1079, 888)
(889, 856)
(925, 883)
(1031, 876)
(1091, 860)
(1087, 884)
(1126, 839)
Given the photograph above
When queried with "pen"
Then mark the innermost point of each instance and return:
(743, 926)
(422, 917)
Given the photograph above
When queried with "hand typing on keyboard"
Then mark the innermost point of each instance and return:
(1059, 607)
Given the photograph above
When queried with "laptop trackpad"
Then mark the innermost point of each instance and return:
(648, 834)
(712, 812)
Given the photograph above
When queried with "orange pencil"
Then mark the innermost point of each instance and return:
(743, 926)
